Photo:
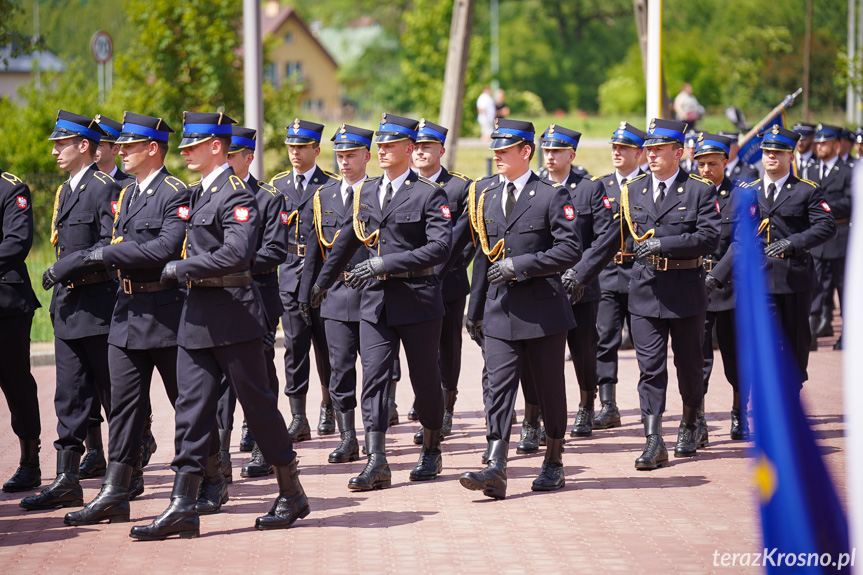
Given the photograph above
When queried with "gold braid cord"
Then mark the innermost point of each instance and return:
(294, 217)
(322, 241)
(114, 238)
(764, 225)
(54, 235)
(360, 227)
(624, 205)
(477, 222)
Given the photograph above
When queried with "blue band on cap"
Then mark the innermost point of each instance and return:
(214, 129)
(242, 142)
(348, 136)
(80, 130)
(562, 137)
(629, 136)
(714, 144)
(111, 131)
(665, 132)
(433, 133)
(828, 132)
(412, 134)
(304, 133)
(521, 134)
(771, 137)
(138, 130)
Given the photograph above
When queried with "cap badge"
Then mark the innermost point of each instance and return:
(775, 128)
(342, 129)
(701, 136)
(495, 123)
(422, 123)
(623, 125)
(384, 118)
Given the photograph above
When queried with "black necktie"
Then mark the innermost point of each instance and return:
(771, 195)
(300, 187)
(64, 194)
(509, 204)
(660, 196)
(349, 198)
(388, 196)
(136, 191)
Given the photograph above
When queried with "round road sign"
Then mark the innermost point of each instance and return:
(101, 46)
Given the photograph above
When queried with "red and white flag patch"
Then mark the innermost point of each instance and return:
(753, 211)
(445, 211)
(717, 207)
(183, 212)
(284, 217)
(241, 214)
(826, 207)
(569, 212)
(607, 203)
(113, 207)
(22, 202)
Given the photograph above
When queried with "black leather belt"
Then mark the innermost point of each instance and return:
(406, 275)
(621, 258)
(266, 272)
(94, 278)
(661, 264)
(841, 221)
(234, 280)
(297, 249)
(146, 287)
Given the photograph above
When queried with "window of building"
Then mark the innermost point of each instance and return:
(289, 37)
(294, 70)
(270, 74)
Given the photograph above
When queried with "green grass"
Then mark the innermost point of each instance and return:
(40, 258)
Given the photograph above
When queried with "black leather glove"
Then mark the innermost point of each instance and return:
(572, 286)
(306, 312)
(501, 271)
(649, 247)
(778, 248)
(300, 270)
(711, 283)
(317, 296)
(355, 282)
(270, 339)
(474, 330)
(49, 278)
(94, 256)
(169, 272)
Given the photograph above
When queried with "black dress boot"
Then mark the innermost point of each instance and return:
(180, 518)
(655, 455)
(431, 460)
(825, 324)
(583, 426)
(225, 455)
(412, 414)
(609, 415)
(348, 448)
(838, 345)
(376, 474)
(148, 442)
(702, 435)
(213, 491)
(529, 442)
(299, 428)
(247, 442)
(327, 420)
(449, 396)
(391, 404)
(687, 433)
(112, 503)
(551, 475)
(93, 464)
(739, 421)
(28, 475)
(136, 482)
(65, 491)
(257, 465)
(290, 505)
(813, 330)
(491, 480)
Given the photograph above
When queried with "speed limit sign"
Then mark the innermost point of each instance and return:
(101, 46)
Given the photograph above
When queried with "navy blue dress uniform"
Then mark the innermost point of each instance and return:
(148, 232)
(797, 219)
(518, 305)
(721, 298)
(341, 310)
(406, 229)
(687, 164)
(299, 337)
(834, 178)
(270, 252)
(666, 294)
(221, 335)
(805, 161)
(737, 171)
(81, 308)
(17, 306)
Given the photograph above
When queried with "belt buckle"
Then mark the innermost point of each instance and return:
(660, 264)
(381, 277)
(346, 276)
(301, 250)
(618, 258)
(127, 286)
(708, 265)
(189, 284)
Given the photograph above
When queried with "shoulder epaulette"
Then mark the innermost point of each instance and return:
(749, 184)
(555, 184)
(460, 175)
(268, 188)
(700, 179)
(195, 183)
(126, 187)
(175, 183)
(11, 178)
(279, 176)
(427, 181)
(810, 182)
(596, 178)
(332, 175)
(101, 176)
(636, 178)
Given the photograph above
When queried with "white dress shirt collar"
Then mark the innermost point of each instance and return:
(211, 177)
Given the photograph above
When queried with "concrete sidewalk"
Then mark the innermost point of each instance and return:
(609, 518)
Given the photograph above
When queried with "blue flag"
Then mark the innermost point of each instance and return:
(801, 516)
(750, 153)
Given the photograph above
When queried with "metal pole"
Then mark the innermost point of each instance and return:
(453, 80)
(36, 39)
(253, 58)
(850, 94)
(495, 44)
(807, 58)
(653, 80)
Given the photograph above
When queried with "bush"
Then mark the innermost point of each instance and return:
(620, 95)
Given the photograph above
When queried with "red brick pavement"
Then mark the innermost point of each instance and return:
(609, 516)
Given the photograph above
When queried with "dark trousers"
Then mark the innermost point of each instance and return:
(199, 375)
(379, 345)
(344, 340)
(792, 312)
(451, 342)
(505, 361)
(96, 418)
(830, 275)
(613, 310)
(650, 338)
(82, 373)
(582, 340)
(131, 376)
(16, 381)
(228, 399)
(299, 339)
(726, 336)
